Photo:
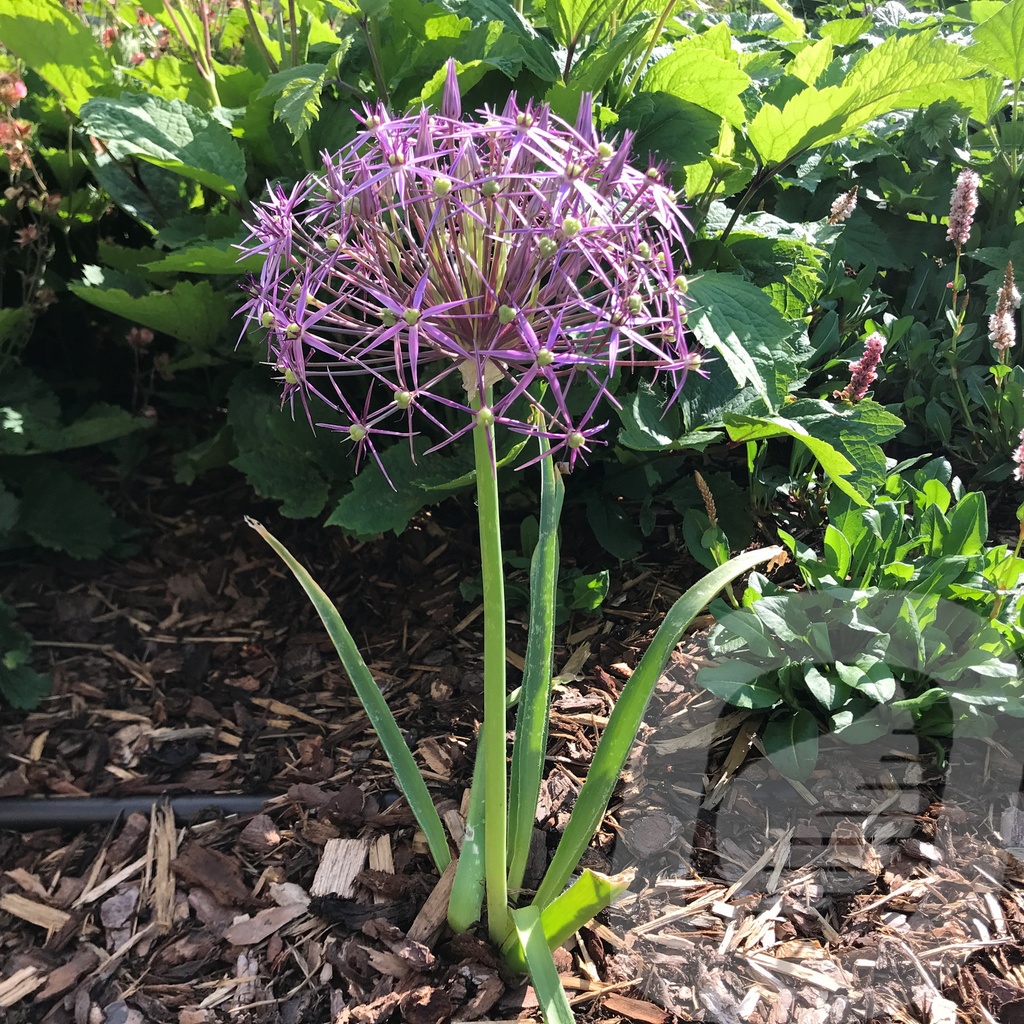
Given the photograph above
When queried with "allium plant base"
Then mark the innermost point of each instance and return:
(511, 251)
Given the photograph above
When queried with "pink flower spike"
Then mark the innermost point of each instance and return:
(1002, 325)
(864, 372)
(962, 207)
(843, 207)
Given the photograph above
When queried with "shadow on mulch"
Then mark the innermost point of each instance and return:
(196, 668)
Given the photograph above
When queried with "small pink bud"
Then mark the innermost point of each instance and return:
(139, 337)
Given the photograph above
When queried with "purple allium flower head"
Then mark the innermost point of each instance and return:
(864, 372)
(511, 252)
(963, 203)
(1002, 325)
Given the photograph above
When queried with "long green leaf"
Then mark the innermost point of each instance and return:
(554, 1005)
(383, 721)
(579, 904)
(531, 739)
(626, 717)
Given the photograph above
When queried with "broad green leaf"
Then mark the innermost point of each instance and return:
(791, 744)
(836, 465)
(569, 20)
(169, 134)
(740, 683)
(22, 687)
(862, 721)
(810, 63)
(872, 678)
(829, 691)
(620, 733)
(410, 779)
(968, 526)
(838, 553)
(845, 31)
(905, 72)
(220, 257)
(60, 511)
(732, 317)
(697, 76)
(191, 312)
(554, 1005)
(58, 47)
(999, 42)
(792, 27)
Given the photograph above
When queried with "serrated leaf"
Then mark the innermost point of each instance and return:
(999, 42)
(905, 72)
(697, 76)
(194, 313)
(61, 512)
(297, 91)
(170, 134)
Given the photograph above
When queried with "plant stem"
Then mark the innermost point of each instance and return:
(492, 737)
(257, 38)
(655, 36)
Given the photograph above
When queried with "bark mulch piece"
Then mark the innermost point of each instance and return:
(879, 890)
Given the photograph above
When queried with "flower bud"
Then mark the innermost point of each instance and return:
(506, 314)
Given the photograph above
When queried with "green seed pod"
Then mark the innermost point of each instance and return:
(545, 357)
(387, 318)
(356, 432)
(681, 285)
(571, 227)
(267, 319)
(576, 440)
(524, 120)
(403, 399)
(604, 151)
(396, 159)
(292, 331)
(490, 188)
(411, 316)
(333, 243)
(643, 250)
(635, 303)
(506, 314)
(547, 247)
(289, 376)
(442, 186)
(484, 418)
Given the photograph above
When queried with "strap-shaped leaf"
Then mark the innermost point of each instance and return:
(626, 717)
(554, 1005)
(531, 740)
(410, 780)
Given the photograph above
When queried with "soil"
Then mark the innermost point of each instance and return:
(882, 889)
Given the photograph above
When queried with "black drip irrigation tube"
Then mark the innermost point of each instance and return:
(27, 814)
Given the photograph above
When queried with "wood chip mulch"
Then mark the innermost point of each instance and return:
(193, 673)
